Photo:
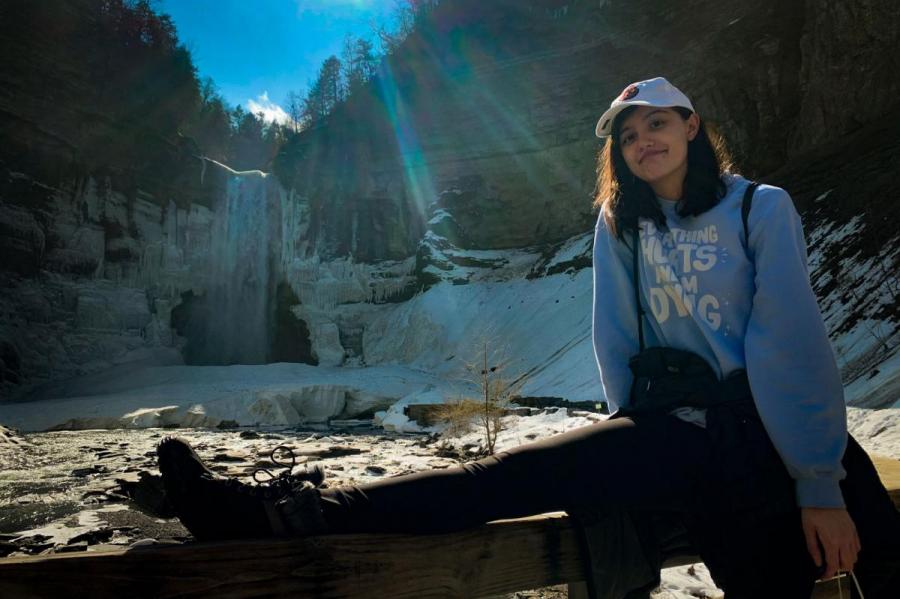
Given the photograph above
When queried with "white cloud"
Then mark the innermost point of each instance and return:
(271, 111)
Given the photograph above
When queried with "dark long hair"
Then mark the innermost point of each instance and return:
(623, 198)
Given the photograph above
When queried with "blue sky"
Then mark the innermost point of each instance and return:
(258, 50)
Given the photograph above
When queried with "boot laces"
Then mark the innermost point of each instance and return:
(276, 480)
(276, 486)
(285, 482)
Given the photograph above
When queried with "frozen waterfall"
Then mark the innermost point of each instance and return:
(233, 322)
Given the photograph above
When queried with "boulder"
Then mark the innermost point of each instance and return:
(10, 437)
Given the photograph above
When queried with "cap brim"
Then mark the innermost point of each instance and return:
(604, 125)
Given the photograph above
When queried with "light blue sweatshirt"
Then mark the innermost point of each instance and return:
(750, 309)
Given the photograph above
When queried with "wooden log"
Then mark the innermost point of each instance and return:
(578, 590)
(424, 414)
(556, 402)
(889, 472)
(499, 557)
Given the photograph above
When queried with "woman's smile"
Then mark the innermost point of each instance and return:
(650, 154)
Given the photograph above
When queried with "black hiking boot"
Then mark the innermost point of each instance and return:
(213, 507)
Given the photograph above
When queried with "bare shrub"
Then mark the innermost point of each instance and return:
(489, 372)
(458, 414)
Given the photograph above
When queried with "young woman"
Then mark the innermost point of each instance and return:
(757, 473)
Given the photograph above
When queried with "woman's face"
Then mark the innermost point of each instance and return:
(654, 143)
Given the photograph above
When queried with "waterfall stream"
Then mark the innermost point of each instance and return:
(232, 323)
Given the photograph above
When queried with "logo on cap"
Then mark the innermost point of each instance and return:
(628, 93)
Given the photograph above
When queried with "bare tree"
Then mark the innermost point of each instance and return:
(295, 110)
(489, 372)
(349, 69)
(872, 329)
(407, 15)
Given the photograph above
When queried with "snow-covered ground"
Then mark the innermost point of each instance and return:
(854, 295)
(880, 386)
(542, 325)
(208, 396)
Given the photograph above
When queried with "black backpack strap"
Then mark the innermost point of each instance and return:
(745, 211)
(635, 269)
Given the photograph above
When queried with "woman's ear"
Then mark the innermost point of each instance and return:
(693, 126)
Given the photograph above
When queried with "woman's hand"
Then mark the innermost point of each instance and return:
(830, 531)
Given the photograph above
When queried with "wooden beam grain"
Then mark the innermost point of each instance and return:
(499, 557)
(889, 472)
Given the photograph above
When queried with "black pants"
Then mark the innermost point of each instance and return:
(726, 480)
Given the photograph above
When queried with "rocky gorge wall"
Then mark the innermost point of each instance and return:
(91, 275)
(93, 279)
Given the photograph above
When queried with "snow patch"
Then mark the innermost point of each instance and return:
(207, 396)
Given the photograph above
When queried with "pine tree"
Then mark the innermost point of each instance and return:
(331, 83)
(359, 63)
(324, 93)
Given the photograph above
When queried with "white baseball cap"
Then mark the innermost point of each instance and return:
(652, 92)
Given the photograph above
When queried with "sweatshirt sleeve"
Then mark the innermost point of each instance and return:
(614, 322)
(790, 364)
